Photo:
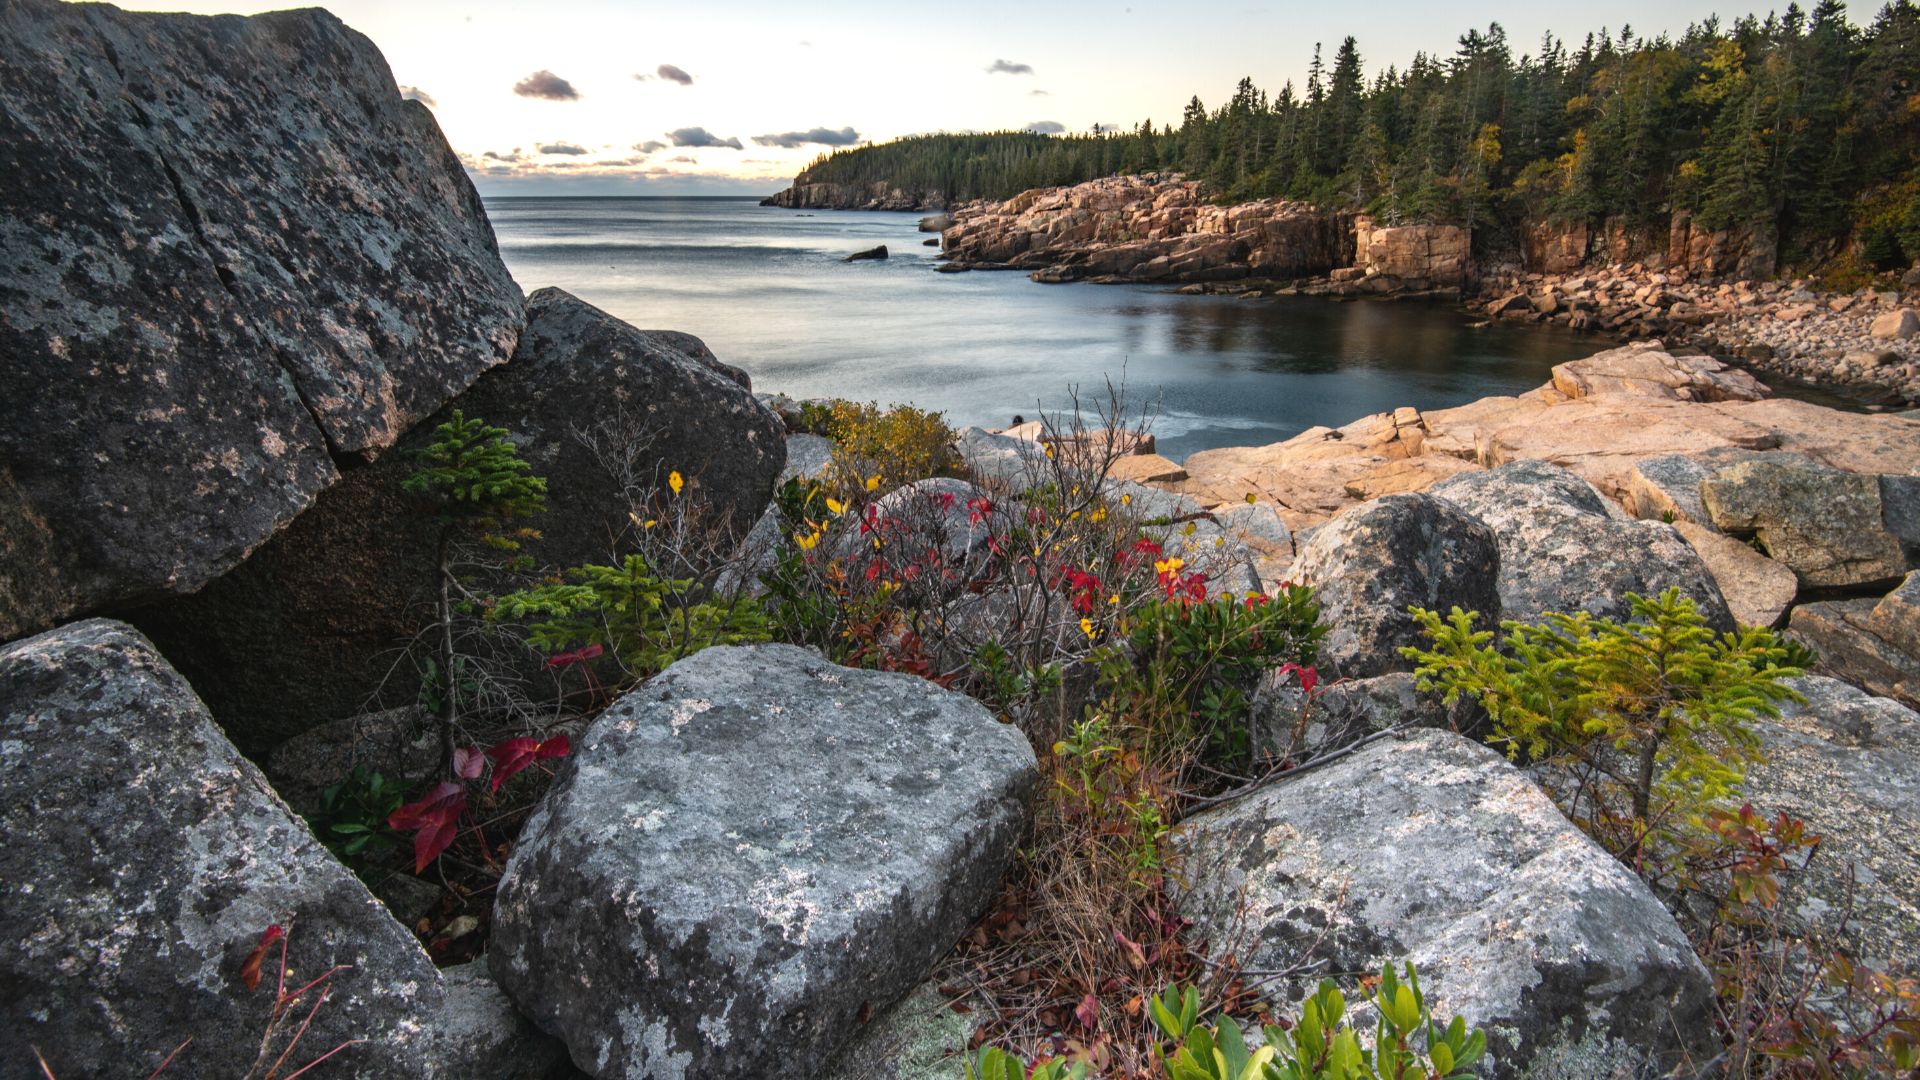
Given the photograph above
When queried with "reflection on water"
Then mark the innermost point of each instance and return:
(767, 289)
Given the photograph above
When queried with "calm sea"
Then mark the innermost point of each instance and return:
(767, 290)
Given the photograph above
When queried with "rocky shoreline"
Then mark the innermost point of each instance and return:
(1160, 228)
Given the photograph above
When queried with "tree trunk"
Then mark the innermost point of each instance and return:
(445, 612)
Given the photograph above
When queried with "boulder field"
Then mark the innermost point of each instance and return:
(215, 361)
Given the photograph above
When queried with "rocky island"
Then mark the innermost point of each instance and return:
(402, 677)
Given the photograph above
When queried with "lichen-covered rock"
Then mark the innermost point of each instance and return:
(919, 1038)
(1848, 764)
(1562, 550)
(1825, 523)
(144, 858)
(742, 854)
(306, 630)
(231, 249)
(1463, 866)
(1371, 565)
(481, 1036)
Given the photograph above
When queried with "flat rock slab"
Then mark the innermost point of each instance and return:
(1434, 849)
(1757, 589)
(1562, 550)
(1371, 565)
(231, 250)
(1848, 764)
(741, 855)
(144, 857)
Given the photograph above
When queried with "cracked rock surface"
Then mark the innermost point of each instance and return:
(144, 857)
(229, 252)
(743, 854)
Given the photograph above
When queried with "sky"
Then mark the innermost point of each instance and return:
(600, 97)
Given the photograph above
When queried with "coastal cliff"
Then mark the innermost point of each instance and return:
(878, 195)
(1160, 227)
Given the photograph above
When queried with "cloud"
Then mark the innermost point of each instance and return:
(683, 159)
(570, 149)
(1008, 67)
(1039, 93)
(819, 136)
(495, 155)
(1046, 127)
(649, 146)
(545, 84)
(674, 74)
(414, 93)
(699, 136)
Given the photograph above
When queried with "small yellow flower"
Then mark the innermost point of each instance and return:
(1048, 447)
(676, 481)
(806, 540)
(1086, 627)
(1114, 599)
(1126, 500)
(873, 483)
(1098, 514)
(1168, 566)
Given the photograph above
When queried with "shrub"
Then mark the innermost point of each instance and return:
(1651, 715)
(892, 446)
(352, 816)
(645, 621)
(471, 479)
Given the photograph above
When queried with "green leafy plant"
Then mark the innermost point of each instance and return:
(1190, 662)
(472, 480)
(993, 1063)
(1653, 714)
(647, 622)
(352, 817)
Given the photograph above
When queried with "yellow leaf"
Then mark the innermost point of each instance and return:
(676, 481)
(873, 483)
(835, 505)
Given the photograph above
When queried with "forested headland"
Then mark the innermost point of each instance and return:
(1801, 122)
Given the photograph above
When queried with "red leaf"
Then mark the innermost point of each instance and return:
(250, 970)
(516, 754)
(468, 761)
(434, 820)
(1088, 1011)
(578, 656)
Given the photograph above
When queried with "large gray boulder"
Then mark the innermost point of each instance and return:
(144, 858)
(231, 251)
(1372, 563)
(309, 628)
(1562, 549)
(1458, 862)
(743, 854)
(1848, 764)
(1828, 525)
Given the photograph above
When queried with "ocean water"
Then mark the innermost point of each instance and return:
(768, 291)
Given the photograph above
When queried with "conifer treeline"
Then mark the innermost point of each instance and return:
(1802, 121)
